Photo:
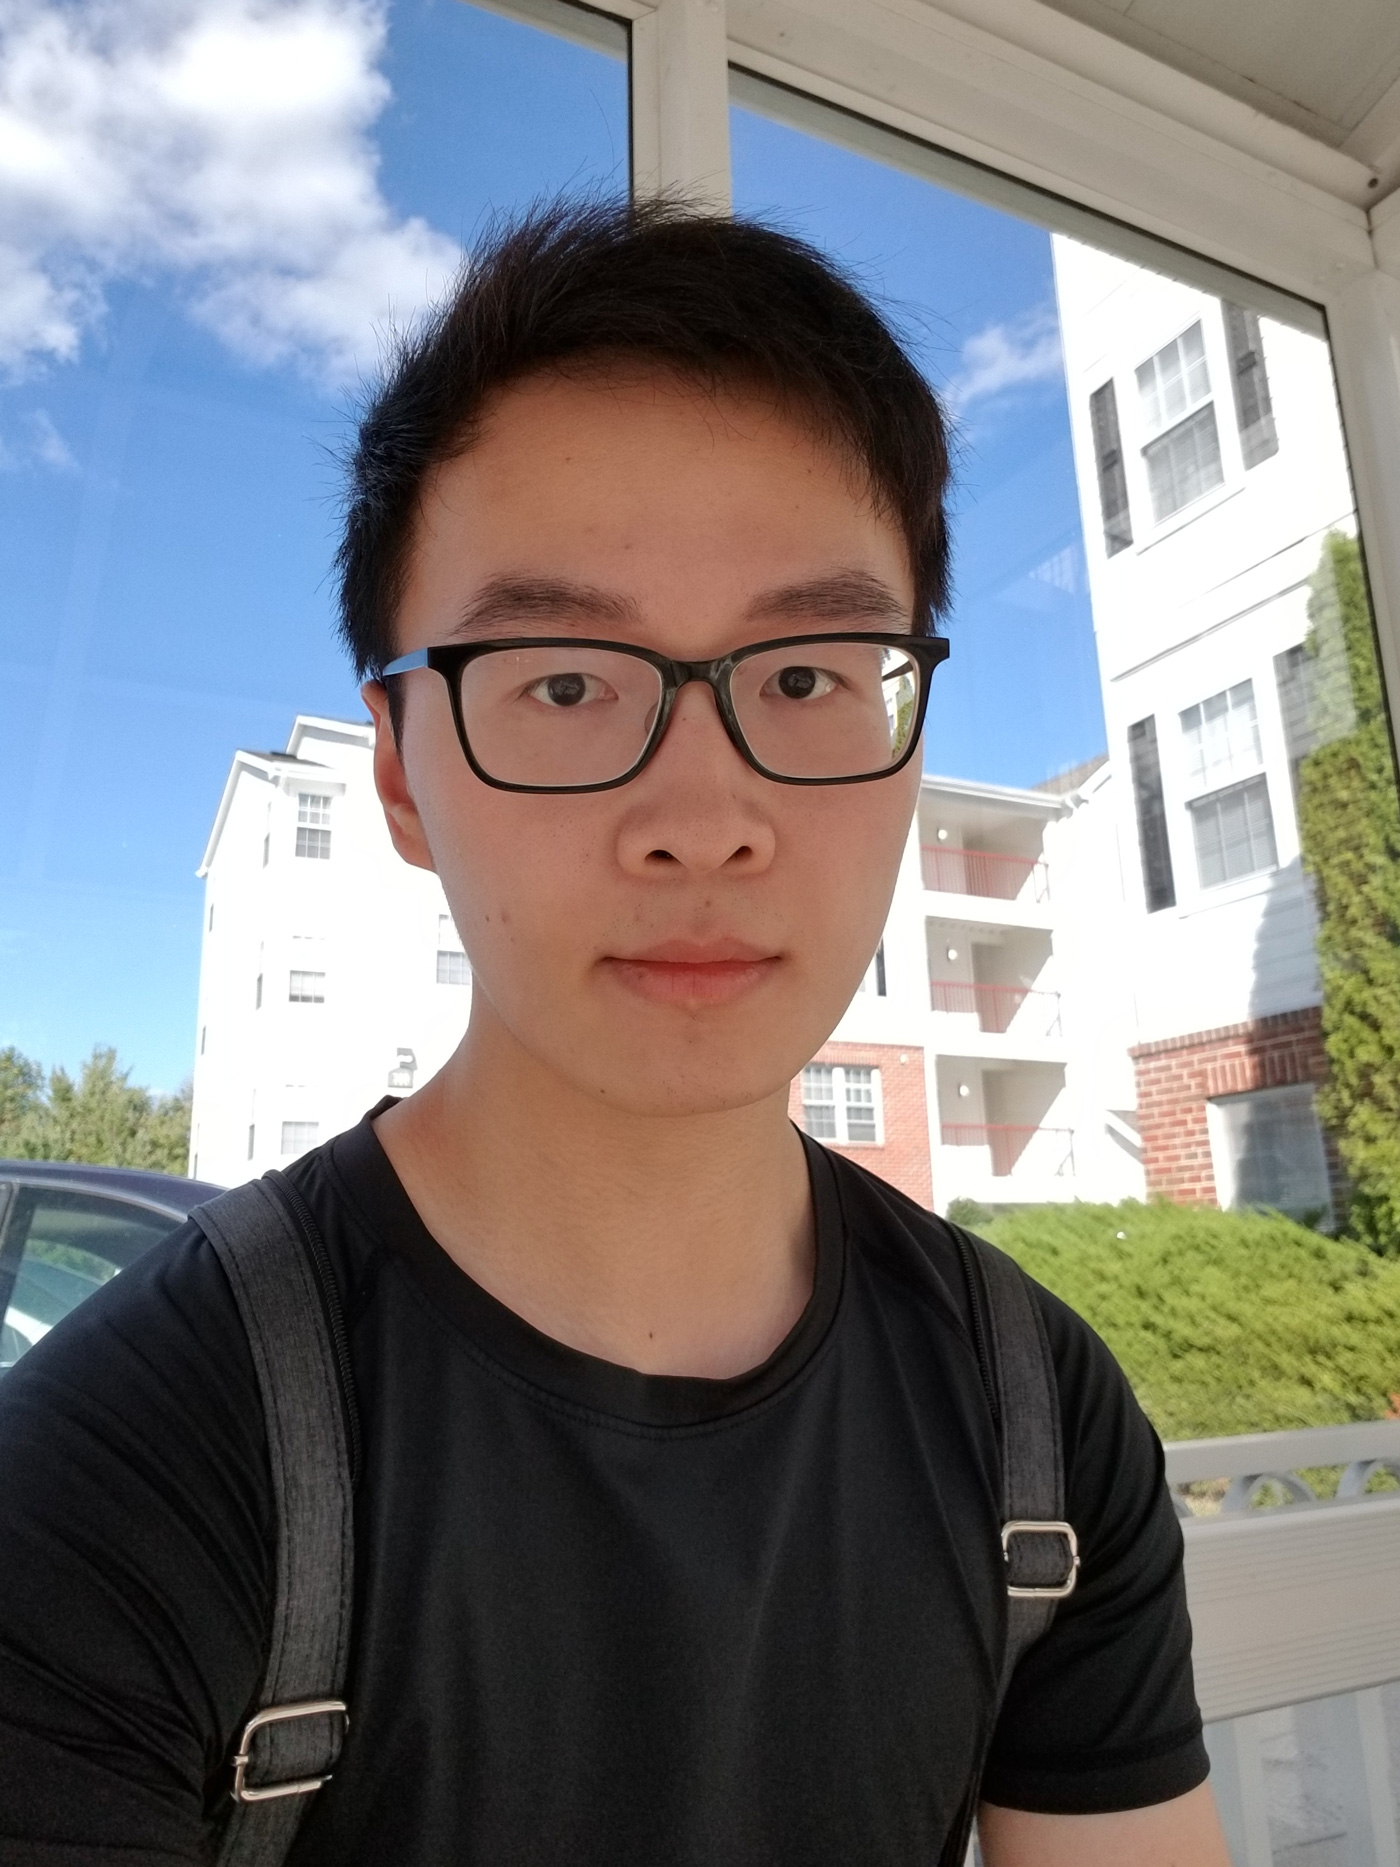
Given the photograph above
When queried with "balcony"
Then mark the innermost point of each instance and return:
(1297, 1639)
(999, 1008)
(1014, 1148)
(984, 873)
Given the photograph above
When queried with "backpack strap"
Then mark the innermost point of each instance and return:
(276, 1264)
(1039, 1546)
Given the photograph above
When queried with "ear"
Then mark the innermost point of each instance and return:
(391, 782)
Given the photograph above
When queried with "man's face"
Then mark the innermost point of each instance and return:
(682, 944)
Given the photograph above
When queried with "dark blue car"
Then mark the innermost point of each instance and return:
(65, 1229)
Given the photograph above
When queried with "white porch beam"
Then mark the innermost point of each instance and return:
(956, 84)
(680, 102)
(1364, 324)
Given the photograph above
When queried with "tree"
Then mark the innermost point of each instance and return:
(1349, 822)
(100, 1119)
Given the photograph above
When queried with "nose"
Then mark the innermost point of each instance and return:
(698, 807)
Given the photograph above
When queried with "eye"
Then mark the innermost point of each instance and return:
(799, 683)
(568, 689)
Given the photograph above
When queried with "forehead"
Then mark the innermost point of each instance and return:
(634, 477)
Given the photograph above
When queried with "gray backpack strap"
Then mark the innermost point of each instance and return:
(286, 1296)
(1039, 1546)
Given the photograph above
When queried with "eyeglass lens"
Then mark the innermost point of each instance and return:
(565, 716)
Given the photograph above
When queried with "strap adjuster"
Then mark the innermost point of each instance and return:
(243, 1791)
(1051, 1591)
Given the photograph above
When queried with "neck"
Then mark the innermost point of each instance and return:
(673, 1245)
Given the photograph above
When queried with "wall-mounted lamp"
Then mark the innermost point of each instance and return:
(402, 1074)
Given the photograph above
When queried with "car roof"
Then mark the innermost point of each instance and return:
(147, 1188)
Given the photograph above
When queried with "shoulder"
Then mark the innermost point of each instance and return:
(136, 1537)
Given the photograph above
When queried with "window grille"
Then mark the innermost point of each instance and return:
(307, 988)
(313, 825)
(860, 1104)
(1108, 460)
(452, 968)
(819, 1101)
(1173, 381)
(1183, 462)
(1159, 884)
(1234, 833)
(841, 1103)
(1222, 736)
(1253, 404)
(297, 1136)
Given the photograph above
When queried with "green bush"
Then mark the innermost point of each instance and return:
(1224, 1322)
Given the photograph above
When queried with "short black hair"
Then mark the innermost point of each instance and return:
(725, 301)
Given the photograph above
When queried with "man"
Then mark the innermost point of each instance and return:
(677, 1524)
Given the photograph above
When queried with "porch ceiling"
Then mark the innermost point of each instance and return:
(1331, 71)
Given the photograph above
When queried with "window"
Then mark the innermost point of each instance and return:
(1253, 404)
(313, 825)
(1267, 1150)
(252, 1131)
(203, 1033)
(307, 988)
(1159, 885)
(1108, 460)
(267, 847)
(1222, 737)
(297, 1136)
(211, 917)
(1234, 833)
(874, 976)
(452, 967)
(257, 993)
(1183, 463)
(842, 1103)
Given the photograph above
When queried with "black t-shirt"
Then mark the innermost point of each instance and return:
(602, 1617)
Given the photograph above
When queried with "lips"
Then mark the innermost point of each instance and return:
(692, 972)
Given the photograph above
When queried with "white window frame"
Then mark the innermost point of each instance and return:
(298, 1136)
(305, 987)
(840, 1106)
(313, 841)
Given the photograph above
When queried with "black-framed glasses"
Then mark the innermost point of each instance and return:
(556, 713)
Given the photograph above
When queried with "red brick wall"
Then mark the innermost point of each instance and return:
(1177, 1076)
(903, 1160)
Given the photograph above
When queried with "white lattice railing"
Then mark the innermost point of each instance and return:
(1296, 1618)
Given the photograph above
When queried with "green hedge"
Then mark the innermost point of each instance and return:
(1225, 1322)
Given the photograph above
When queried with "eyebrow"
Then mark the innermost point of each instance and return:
(507, 600)
(842, 596)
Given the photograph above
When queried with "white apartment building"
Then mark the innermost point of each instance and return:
(1210, 467)
(978, 1060)
(331, 973)
(981, 1058)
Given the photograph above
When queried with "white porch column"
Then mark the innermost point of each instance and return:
(1364, 325)
(680, 102)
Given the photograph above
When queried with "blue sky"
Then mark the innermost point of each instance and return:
(178, 362)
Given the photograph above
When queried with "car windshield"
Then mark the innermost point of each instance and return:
(57, 1247)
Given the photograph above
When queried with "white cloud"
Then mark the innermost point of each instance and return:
(226, 142)
(39, 445)
(1007, 356)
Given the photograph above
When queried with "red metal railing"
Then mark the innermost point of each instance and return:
(1008, 1141)
(994, 1005)
(982, 872)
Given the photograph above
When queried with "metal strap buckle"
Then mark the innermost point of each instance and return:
(277, 1714)
(1052, 1591)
